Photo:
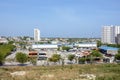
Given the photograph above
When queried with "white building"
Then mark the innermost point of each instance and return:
(44, 46)
(117, 30)
(109, 33)
(36, 35)
(86, 45)
(3, 40)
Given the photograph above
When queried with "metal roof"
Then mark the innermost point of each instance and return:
(44, 46)
(108, 48)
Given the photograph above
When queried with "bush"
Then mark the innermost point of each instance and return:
(55, 58)
(66, 48)
(96, 53)
(82, 60)
(33, 60)
(117, 56)
(71, 57)
(21, 57)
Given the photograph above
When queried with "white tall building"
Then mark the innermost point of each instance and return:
(36, 35)
(109, 33)
(117, 30)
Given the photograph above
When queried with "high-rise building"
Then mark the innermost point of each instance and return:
(116, 30)
(117, 39)
(36, 35)
(109, 33)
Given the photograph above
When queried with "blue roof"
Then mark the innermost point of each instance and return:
(108, 48)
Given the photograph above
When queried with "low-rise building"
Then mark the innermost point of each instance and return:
(42, 56)
(86, 45)
(33, 54)
(44, 46)
(3, 40)
(108, 50)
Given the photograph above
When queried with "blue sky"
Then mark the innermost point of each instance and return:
(57, 18)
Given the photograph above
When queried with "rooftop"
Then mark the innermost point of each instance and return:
(108, 48)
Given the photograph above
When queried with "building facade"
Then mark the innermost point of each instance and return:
(36, 35)
(117, 39)
(109, 33)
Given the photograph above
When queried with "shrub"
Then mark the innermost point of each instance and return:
(82, 60)
(71, 57)
(21, 57)
(55, 58)
(117, 56)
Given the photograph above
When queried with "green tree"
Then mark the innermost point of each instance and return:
(71, 57)
(55, 58)
(6, 49)
(2, 58)
(96, 53)
(81, 60)
(66, 48)
(117, 56)
(21, 57)
(119, 50)
(99, 43)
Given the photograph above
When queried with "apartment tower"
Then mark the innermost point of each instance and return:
(109, 33)
(36, 35)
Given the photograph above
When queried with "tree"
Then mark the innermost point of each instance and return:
(2, 58)
(71, 57)
(96, 53)
(55, 58)
(21, 57)
(81, 60)
(117, 56)
(99, 43)
(6, 49)
(119, 50)
(66, 48)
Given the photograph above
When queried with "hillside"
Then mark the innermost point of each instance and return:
(69, 72)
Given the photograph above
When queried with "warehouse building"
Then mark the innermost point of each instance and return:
(108, 50)
(44, 46)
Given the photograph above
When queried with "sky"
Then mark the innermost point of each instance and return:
(58, 18)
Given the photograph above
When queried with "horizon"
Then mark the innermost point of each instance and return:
(58, 18)
(58, 37)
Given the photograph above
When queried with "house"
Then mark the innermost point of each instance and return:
(3, 40)
(33, 54)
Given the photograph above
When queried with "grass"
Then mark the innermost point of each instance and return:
(68, 72)
(5, 49)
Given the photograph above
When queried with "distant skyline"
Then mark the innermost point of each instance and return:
(57, 18)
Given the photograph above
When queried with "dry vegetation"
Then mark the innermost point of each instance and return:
(69, 72)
